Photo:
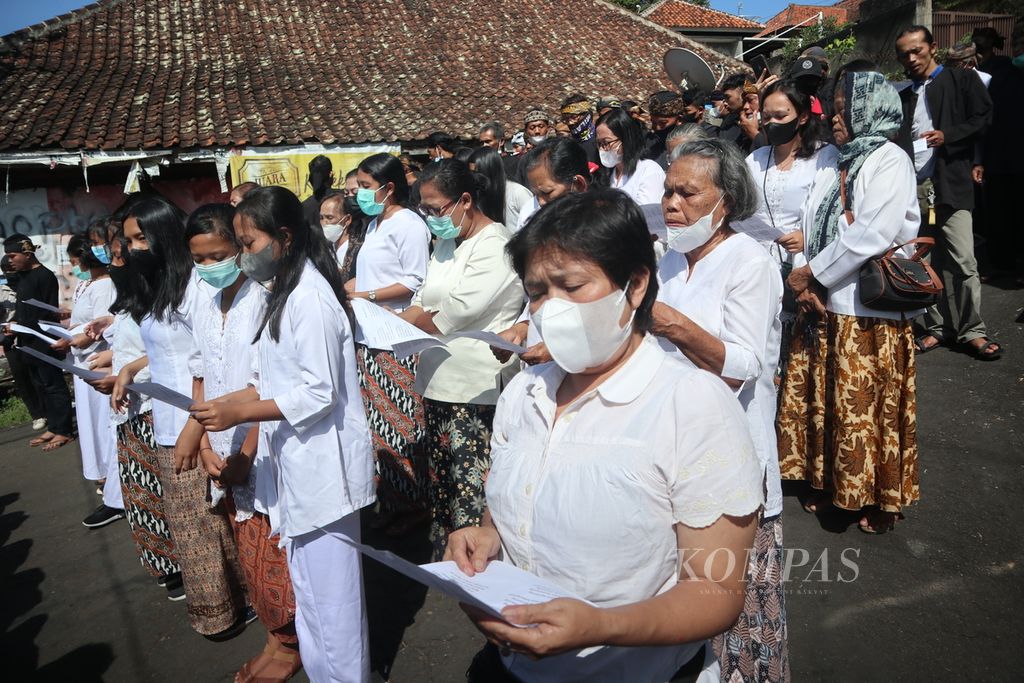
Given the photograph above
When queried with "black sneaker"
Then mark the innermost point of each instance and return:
(175, 587)
(250, 615)
(102, 516)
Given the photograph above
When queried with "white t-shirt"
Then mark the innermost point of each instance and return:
(646, 185)
(472, 287)
(126, 343)
(735, 294)
(395, 251)
(590, 502)
(517, 198)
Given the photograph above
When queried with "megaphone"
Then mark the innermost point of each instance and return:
(687, 70)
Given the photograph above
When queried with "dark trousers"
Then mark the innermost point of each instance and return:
(1005, 241)
(24, 386)
(55, 396)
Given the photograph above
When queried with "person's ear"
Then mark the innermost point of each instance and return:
(638, 283)
(578, 184)
(803, 119)
(286, 239)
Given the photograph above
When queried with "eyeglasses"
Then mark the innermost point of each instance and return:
(608, 144)
(436, 213)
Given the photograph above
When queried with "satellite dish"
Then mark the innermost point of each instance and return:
(687, 70)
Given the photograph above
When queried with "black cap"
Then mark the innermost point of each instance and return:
(806, 66)
(18, 244)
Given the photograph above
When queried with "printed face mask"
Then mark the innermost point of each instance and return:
(581, 336)
(220, 274)
(261, 266)
(685, 240)
(368, 203)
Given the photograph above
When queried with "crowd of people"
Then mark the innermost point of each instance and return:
(684, 275)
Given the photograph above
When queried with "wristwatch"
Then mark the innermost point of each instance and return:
(372, 295)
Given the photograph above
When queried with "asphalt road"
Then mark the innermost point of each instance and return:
(939, 599)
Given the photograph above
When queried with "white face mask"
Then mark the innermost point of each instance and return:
(610, 158)
(581, 336)
(333, 231)
(685, 240)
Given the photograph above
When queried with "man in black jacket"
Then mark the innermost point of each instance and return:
(945, 112)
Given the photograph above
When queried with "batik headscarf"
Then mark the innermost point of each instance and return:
(585, 129)
(873, 117)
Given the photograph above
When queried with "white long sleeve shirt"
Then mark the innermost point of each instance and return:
(394, 251)
(885, 212)
(646, 185)
(319, 456)
(735, 295)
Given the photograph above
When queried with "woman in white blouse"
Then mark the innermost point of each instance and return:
(620, 143)
(718, 308)
(618, 473)
(851, 433)
(165, 291)
(390, 268)
(223, 329)
(470, 287)
(313, 431)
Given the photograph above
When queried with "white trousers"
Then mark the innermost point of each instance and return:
(97, 441)
(330, 608)
(112, 496)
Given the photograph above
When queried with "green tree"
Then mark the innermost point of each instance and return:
(814, 33)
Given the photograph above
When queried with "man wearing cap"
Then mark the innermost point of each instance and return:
(537, 127)
(987, 40)
(809, 74)
(37, 282)
(945, 112)
(577, 113)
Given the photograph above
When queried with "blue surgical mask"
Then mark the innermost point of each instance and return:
(443, 227)
(221, 274)
(368, 203)
(80, 274)
(102, 253)
(3, 282)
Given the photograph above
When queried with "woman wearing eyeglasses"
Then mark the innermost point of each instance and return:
(470, 286)
(620, 143)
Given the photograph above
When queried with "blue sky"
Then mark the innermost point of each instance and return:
(15, 14)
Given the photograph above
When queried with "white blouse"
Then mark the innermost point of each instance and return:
(517, 198)
(93, 301)
(885, 212)
(735, 294)
(394, 251)
(169, 348)
(591, 501)
(319, 456)
(646, 185)
(782, 193)
(223, 359)
(126, 343)
(472, 287)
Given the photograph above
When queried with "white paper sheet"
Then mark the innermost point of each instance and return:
(920, 145)
(492, 590)
(492, 339)
(89, 375)
(655, 218)
(35, 333)
(56, 330)
(45, 306)
(159, 392)
(381, 329)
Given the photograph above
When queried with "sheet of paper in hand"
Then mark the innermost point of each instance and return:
(15, 327)
(43, 305)
(159, 392)
(84, 373)
(379, 328)
(492, 339)
(56, 330)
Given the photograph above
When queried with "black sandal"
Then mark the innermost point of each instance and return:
(920, 345)
(982, 352)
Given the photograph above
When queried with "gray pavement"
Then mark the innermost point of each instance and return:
(939, 599)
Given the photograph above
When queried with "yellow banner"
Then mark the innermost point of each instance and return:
(292, 170)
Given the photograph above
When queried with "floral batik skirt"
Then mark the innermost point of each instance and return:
(848, 415)
(459, 444)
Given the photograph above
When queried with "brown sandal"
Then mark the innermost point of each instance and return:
(57, 442)
(41, 439)
(250, 673)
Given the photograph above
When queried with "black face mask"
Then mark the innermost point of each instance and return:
(664, 133)
(352, 208)
(121, 276)
(12, 279)
(144, 264)
(781, 133)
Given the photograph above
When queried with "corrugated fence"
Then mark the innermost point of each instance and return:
(950, 27)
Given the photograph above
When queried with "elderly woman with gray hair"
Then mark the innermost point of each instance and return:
(719, 301)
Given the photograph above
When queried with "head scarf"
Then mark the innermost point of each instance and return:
(873, 117)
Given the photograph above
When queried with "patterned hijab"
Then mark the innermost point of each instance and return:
(873, 117)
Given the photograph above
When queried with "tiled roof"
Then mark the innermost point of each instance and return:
(677, 14)
(131, 74)
(794, 14)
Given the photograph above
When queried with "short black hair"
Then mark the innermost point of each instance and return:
(442, 140)
(565, 159)
(917, 28)
(734, 81)
(603, 226)
(212, 219)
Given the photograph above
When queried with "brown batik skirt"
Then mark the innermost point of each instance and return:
(847, 421)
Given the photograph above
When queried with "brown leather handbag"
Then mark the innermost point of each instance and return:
(896, 283)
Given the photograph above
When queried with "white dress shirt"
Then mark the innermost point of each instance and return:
(223, 359)
(93, 301)
(126, 343)
(924, 156)
(885, 212)
(646, 185)
(735, 294)
(169, 348)
(395, 251)
(591, 501)
(319, 455)
(517, 198)
(471, 286)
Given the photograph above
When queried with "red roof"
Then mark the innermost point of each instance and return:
(794, 14)
(676, 14)
(131, 74)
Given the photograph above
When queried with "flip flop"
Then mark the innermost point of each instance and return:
(920, 346)
(40, 440)
(982, 352)
(57, 442)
